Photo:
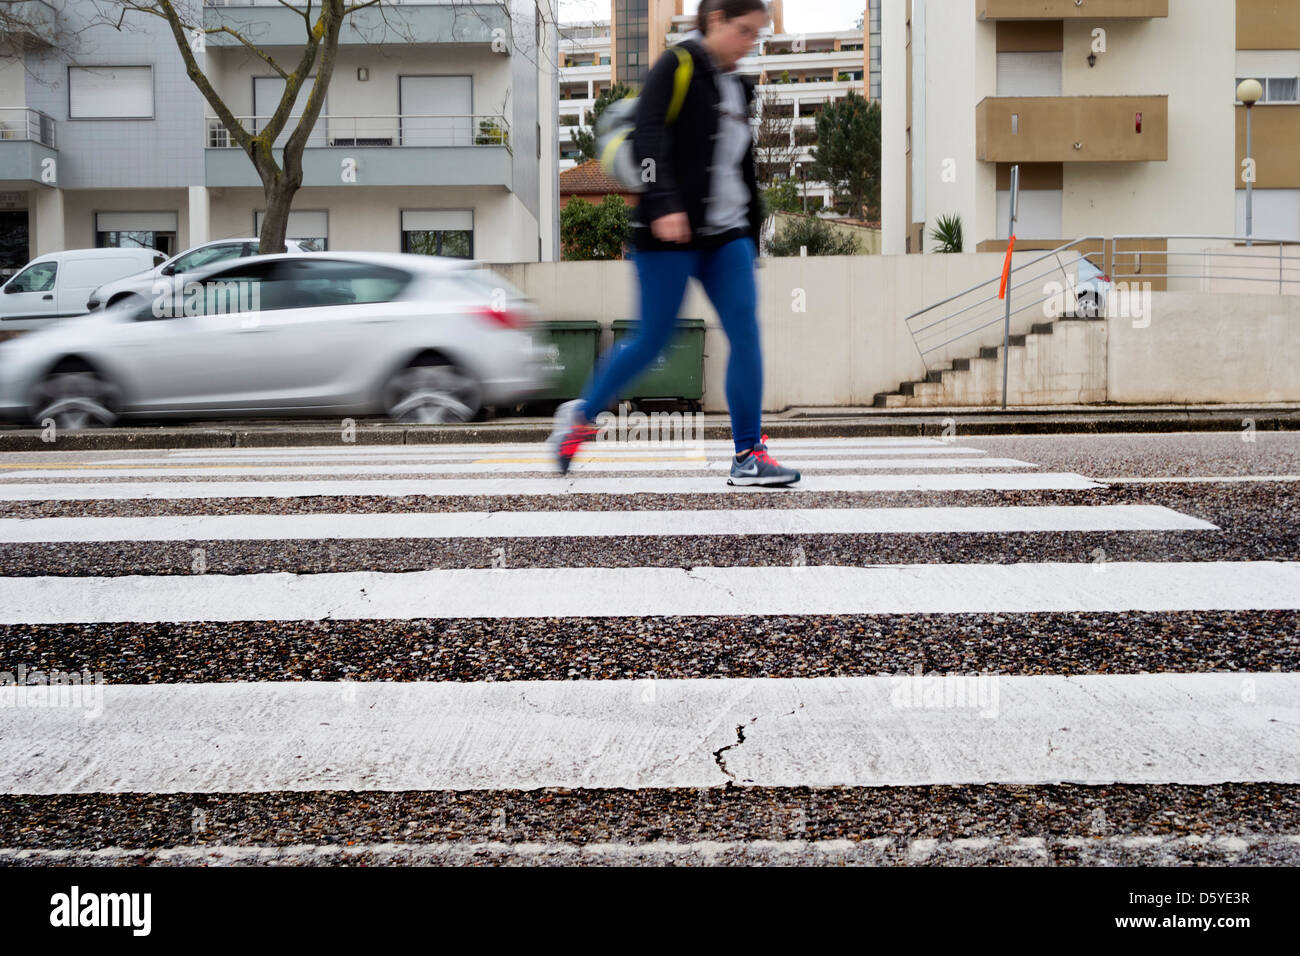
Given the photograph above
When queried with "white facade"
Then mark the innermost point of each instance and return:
(1188, 56)
(451, 125)
(829, 74)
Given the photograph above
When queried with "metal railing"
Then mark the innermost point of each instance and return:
(1172, 263)
(479, 129)
(974, 310)
(20, 123)
(1208, 263)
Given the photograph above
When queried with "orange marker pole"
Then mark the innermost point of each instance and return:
(1006, 269)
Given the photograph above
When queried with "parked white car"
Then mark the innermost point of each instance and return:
(56, 286)
(206, 254)
(1091, 291)
(419, 338)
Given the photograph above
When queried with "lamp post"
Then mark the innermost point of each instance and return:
(803, 178)
(1249, 92)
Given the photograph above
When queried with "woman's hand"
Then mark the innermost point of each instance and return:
(674, 227)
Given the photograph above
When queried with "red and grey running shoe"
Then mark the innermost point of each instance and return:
(568, 435)
(760, 468)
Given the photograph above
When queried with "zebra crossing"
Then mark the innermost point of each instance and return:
(549, 660)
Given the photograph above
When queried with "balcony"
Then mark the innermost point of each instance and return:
(1071, 9)
(26, 141)
(405, 150)
(33, 20)
(272, 23)
(1072, 129)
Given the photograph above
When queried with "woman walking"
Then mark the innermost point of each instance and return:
(699, 217)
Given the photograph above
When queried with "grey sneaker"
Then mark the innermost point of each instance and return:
(760, 468)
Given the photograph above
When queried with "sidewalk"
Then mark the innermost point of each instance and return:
(798, 422)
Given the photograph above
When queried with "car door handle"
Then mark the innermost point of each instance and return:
(47, 298)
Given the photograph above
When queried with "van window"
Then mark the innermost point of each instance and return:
(35, 278)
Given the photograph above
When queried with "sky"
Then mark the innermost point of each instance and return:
(801, 16)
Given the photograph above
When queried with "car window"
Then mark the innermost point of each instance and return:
(35, 278)
(323, 282)
(240, 288)
(207, 256)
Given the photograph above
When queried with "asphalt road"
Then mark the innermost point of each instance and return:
(1065, 649)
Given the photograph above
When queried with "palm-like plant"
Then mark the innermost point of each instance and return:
(947, 233)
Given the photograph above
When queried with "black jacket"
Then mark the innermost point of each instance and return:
(683, 152)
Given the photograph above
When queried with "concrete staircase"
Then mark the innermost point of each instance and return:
(1059, 362)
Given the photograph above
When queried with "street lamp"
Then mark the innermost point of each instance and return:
(803, 176)
(1249, 92)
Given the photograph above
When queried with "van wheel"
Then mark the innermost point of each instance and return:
(432, 392)
(75, 398)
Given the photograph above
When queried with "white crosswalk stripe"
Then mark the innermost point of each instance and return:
(554, 485)
(250, 733)
(527, 524)
(518, 465)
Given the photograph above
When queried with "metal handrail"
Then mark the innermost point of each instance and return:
(1244, 267)
(1283, 269)
(378, 130)
(1019, 277)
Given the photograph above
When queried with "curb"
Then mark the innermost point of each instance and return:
(378, 432)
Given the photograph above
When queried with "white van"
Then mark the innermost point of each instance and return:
(57, 285)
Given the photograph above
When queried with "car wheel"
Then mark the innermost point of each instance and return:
(74, 398)
(432, 392)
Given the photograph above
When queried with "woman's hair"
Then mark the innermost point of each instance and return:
(730, 9)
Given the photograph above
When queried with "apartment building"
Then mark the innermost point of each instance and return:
(803, 71)
(1120, 113)
(438, 133)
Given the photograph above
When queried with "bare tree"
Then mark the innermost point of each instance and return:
(774, 146)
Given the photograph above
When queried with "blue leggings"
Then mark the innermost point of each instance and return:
(727, 275)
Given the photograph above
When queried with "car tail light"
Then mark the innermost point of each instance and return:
(505, 318)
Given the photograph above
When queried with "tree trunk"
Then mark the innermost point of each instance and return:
(276, 221)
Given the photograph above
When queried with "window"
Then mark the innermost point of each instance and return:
(208, 255)
(35, 278)
(110, 92)
(326, 282)
(1029, 74)
(136, 230)
(1277, 89)
(438, 233)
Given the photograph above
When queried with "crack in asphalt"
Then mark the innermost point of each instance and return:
(690, 573)
(740, 739)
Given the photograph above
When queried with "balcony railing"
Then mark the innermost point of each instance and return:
(478, 129)
(24, 124)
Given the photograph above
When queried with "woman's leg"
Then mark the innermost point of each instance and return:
(662, 277)
(728, 278)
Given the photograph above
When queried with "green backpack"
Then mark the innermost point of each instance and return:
(615, 127)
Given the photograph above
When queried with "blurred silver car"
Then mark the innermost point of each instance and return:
(418, 338)
(191, 260)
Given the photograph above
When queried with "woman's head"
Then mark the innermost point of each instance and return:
(731, 27)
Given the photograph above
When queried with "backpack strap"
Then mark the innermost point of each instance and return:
(681, 82)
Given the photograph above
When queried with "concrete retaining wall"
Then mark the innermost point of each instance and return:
(851, 343)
